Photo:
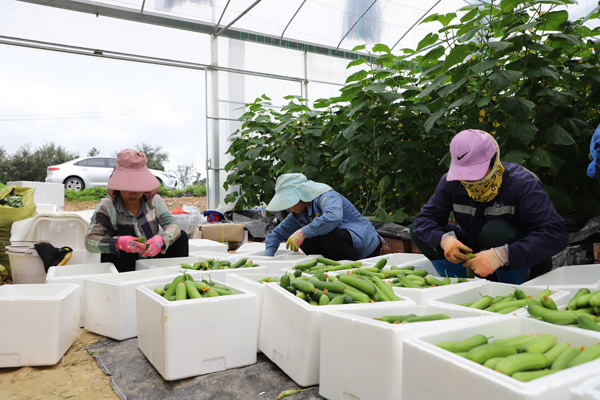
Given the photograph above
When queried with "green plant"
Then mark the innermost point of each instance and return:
(518, 69)
(91, 194)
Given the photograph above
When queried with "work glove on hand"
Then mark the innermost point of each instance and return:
(129, 244)
(155, 243)
(484, 263)
(295, 240)
(454, 250)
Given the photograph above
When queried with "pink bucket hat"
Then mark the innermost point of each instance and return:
(471, 152)
(132, 174)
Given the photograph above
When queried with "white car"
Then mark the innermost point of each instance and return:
(87, 172)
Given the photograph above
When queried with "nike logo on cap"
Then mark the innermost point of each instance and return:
(460, 157)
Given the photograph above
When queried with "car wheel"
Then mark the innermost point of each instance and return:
(159, 181)
(74, 183)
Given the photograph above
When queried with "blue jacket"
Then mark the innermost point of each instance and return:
(322, 215)
(521, 201)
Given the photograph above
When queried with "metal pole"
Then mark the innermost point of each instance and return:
(290, 21)
(415, 24)
(220, 18)
(238, 17)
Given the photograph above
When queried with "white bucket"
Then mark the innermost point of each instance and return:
(26, 265)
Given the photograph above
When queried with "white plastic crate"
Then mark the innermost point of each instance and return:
(426, 294)
(59, 229)
(430, 372)
(249, 283)
(45, 192)
(290, 333)
(39, 323)
(258, 249)
(348, 336)
(570, 277)
(110, 308)
(76, 274)
(588, 390)
(193, 337)
(494, 289)
(207, 246)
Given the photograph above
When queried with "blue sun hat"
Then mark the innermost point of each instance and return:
(595, 152)
(291, 188)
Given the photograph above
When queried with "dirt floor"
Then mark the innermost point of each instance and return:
(77, 375)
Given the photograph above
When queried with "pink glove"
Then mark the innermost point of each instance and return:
(155, 243)
(295, 240)
(129, 244)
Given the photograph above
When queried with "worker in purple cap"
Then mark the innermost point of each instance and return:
(507, 228)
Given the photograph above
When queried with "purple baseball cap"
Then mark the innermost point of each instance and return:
(471, 151)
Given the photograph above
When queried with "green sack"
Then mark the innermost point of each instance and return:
(9, 214)
(3, 273)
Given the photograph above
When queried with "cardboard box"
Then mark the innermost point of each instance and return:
(220, 232)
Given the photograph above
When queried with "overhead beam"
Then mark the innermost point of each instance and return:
(191, 25)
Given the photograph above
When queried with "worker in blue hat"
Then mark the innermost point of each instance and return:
(321, 221)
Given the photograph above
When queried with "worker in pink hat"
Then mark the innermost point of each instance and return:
(134, 211)
(507, 227)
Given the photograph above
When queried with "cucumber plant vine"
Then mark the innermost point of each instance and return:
(518, 69)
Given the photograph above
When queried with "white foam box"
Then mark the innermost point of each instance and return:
(151, 263)
(258, 249)
(494, 289)
(76, 274)
(45, 192)
(194, 337)
(588, 390)
(570, 277)
(110, 307)
(351, 335)
(427, 294)
(249, 282)
(430, 372)
(290, 333)
(207, 245)
(221, 274)
(39, 323)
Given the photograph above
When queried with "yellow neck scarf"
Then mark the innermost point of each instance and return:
(486, 188)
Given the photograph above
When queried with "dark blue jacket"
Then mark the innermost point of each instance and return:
(521, 201)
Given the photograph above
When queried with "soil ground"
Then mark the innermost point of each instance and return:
(77, 375)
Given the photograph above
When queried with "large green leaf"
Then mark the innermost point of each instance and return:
(457, 55)
(451, 87)
(544, 158)
(543, 71)
(564, 38)
(553, 20)
(428, 40)
(432, 120)
(459, 102)
(435, 85)
(557, 135)
(555, 98)
(384, 183)
(507, 6)
(500, 45)
(434, 54)
(516, 157)
(522, 131)
(381, 48)
(517, 106)
(357, 76)
(501, 80)
(351, 130)
(484, 65)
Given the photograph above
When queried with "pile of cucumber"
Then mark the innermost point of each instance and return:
(582, 311)
(321, 289)
(184, 287)
(420, 279)
(208, 265)
(510, 302)
(523, 357)
(405, 319)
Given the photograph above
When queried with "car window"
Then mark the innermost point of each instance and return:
(97, 162)
(112, 162)
(82, 163)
